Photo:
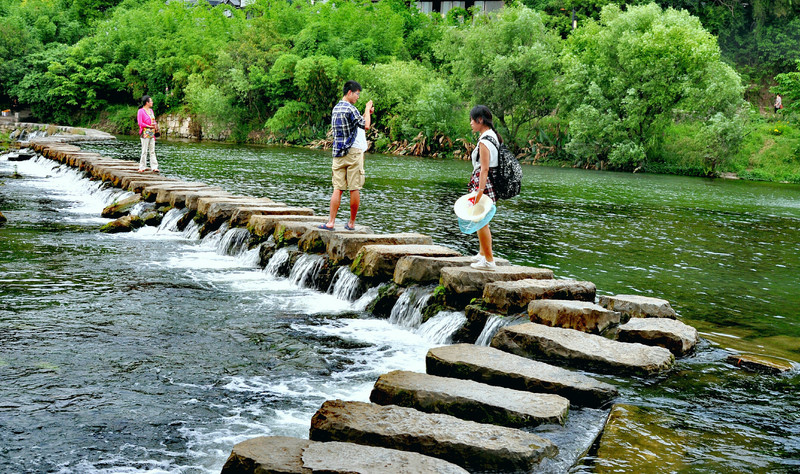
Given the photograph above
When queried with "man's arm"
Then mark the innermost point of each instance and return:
(368, 116)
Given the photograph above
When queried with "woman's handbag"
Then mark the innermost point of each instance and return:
(158, 131)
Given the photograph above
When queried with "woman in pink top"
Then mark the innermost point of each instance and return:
(147, 134)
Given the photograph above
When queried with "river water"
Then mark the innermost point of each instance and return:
(156, 352)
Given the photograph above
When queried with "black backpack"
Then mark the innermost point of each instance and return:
(507, 176)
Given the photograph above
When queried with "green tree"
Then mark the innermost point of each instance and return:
(789, 89)
(632, 73)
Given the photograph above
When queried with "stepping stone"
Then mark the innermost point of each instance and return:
(513, 296)
(465, 283)
(150, 192)
(228, 201)
(495, 367)
(191, 198)
(672, 334)
(264, 225)
(241, 215)
(634, 306)
(278, 454)
(474, 446)
(577, 348)
(581, 315)
(121, 208)
(757, 363)
(417, 269)
(165, 196)
(309, 237)
(344, 247)
(222, 211)
(178, 199)
(379, 261)
(469, 400)
(137, 186)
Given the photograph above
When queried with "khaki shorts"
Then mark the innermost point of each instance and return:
(348, 170)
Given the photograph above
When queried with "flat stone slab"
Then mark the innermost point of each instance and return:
(672, 334)
(465, 283)
(495, 367)
(379, 261)
(264, 225)
(165, 196)
(634, 306)
(179, 198)
(137, 185)
(474, 446)
(309, 237)
(344, 247)
(205, 203)
(418, 269)
(577, 348)
(581, 315)
(191, 199)
(469, 400)
(761, 364)
(513, 296)
(279, 454)
(241, 215)
(221, 211)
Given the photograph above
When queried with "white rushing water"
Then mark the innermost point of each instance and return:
(493, 324)
(407, 312)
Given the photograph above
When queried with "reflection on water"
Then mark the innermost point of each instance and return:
(155, 352)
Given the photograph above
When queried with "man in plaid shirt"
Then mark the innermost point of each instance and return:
(349, 145)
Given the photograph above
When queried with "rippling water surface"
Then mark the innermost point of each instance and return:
(152, 352)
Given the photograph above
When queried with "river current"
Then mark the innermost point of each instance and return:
(155, 351)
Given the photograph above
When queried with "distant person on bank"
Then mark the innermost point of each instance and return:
(147, 133)
(484, 156)
(778, 103)
(349, 145)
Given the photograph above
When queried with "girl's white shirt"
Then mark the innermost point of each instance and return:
(476, 160)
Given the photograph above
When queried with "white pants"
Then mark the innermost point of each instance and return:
(148, 145)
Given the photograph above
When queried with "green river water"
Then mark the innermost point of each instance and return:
(726, 254)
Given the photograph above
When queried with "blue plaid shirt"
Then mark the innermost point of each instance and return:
(345, 119)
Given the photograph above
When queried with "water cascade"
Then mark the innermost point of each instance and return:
(277, 261)
(306, 269)
(493, 324)
(407, 312)
(234, 242)
(213, 239)
(170, 221)
(192, 230)
(368, 297)
(440, 328)
(345, 284)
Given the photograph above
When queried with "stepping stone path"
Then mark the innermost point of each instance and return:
(278, 454)
(568, 346)
(634, 306)
(495, 367)
(469, 400)
(419, 269)
(580, 315)
(672, 334)
(465, 410)
(761, 364)
(474, 446)
(513, 296)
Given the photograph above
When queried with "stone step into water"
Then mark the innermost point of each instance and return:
(379, 261)
(343, 248)
(138, 185)
(464, 283)
(495, 367)
(474, 446)
(241, 215)
(580, 315)
(760, 363)
(310, 238)
(418, 269)
(469, 400)
(262, 226)
(149, 193)
(279, 454)
(205, 203)
(192, 199)
(513, 296)
(579, 349)
(672, 334)
(166, 196)
(178, 198)
(122, 207)
(223, 211)
(634, 306)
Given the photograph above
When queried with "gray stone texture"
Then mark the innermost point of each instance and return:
(344, 247)
(469, 400)
(676, 336)
(465, 283)
(121, 208)
(568, 346)
(581, 315)
(267, 455)
(474, 446)
(514, 296)
(634, 306)
(264, 225)
(418, 269)
(379, 261)
(348, 458)
(495, 367)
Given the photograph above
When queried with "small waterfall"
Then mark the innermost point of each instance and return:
(345, 284)
(440, 328)
(140, 207)
(306, 268)
(170, 221)
(212, 240)
(493, 324)
(407, 312)
(192, 230)
(234, 242)
(367, 298)
(278, 260)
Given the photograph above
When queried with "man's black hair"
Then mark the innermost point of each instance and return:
(351, 86)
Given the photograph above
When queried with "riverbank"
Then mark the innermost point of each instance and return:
(230, 238)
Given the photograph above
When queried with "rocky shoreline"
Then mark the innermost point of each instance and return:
(475, 407)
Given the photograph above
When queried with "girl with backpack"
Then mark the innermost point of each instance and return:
(484, 156)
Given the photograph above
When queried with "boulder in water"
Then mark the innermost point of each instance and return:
(676, 336)
(123, 224)
(120, 208)
(635, 306)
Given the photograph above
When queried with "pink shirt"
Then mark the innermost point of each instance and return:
(144, 119)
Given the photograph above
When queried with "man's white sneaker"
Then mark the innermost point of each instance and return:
(477, 258)
(482, 264)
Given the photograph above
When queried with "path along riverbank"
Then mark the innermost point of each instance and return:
(400, 261)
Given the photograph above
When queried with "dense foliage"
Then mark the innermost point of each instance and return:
(609, 94)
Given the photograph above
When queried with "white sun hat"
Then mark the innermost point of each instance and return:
(475, 213)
